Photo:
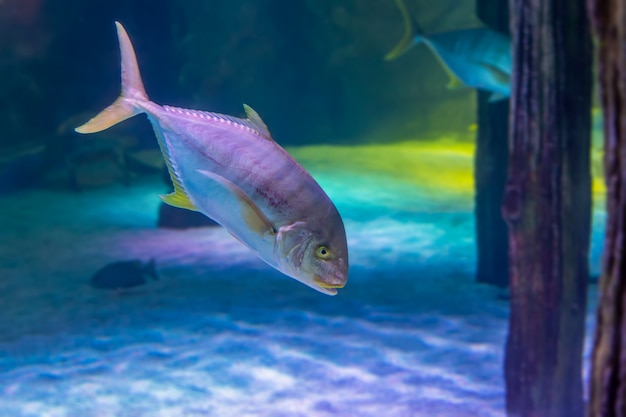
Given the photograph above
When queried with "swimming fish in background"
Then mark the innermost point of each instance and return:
(477, 57)
(232, 171)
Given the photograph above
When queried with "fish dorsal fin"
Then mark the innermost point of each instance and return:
(256, 120)
(253, 123)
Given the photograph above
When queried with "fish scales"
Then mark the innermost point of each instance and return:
(478, 44)
(272, 178)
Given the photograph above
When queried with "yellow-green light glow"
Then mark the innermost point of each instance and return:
(441, 167)
(444, 165)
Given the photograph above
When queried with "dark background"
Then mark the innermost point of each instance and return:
(313, 69)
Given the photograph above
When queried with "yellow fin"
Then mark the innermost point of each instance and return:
(454, 83)
(133, 94)
(412, 34)
(178, 199)
(256, 120)
(117, 112)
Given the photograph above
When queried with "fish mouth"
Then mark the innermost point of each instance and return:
(328, 291)
(326, 285)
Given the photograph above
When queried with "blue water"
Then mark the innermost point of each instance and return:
(222, 334)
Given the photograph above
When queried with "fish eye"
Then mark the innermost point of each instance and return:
(322, 252)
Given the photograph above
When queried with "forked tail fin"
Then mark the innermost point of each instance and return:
(413, 33)
(133, 91)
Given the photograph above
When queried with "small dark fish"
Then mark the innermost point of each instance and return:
(124, 274)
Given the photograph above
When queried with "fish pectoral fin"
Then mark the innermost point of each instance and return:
(256, 120)
(178, 199)
(249, 211)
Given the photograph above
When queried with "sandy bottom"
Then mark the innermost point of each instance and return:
(221, 334)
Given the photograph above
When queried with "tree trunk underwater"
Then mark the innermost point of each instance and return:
(547, 207)
(490, 167)
(607, 396)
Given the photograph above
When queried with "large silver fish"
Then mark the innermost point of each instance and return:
(477, 57)
(232, 170)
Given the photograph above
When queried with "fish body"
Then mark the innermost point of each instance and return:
(475, 57)
(231, 170)
(124, 274)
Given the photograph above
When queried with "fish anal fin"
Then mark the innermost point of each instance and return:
(454, 83)
(501, 76)
(178, 199)
(256, 120)
(250, 212)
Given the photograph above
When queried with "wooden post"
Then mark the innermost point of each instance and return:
(490, 167)
(608, 376)
(547, 206)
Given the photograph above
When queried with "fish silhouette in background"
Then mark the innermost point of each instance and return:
(124, 274)
(476, 57)
(231, 170)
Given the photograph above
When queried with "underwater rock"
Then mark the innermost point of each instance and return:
(76, 165)
(90, 163)
(124, 274)
(147, 161)
(96, 163)
(65, 160)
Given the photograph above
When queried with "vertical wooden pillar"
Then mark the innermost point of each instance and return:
(490, 167)
(608, 376)
(547, 206)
